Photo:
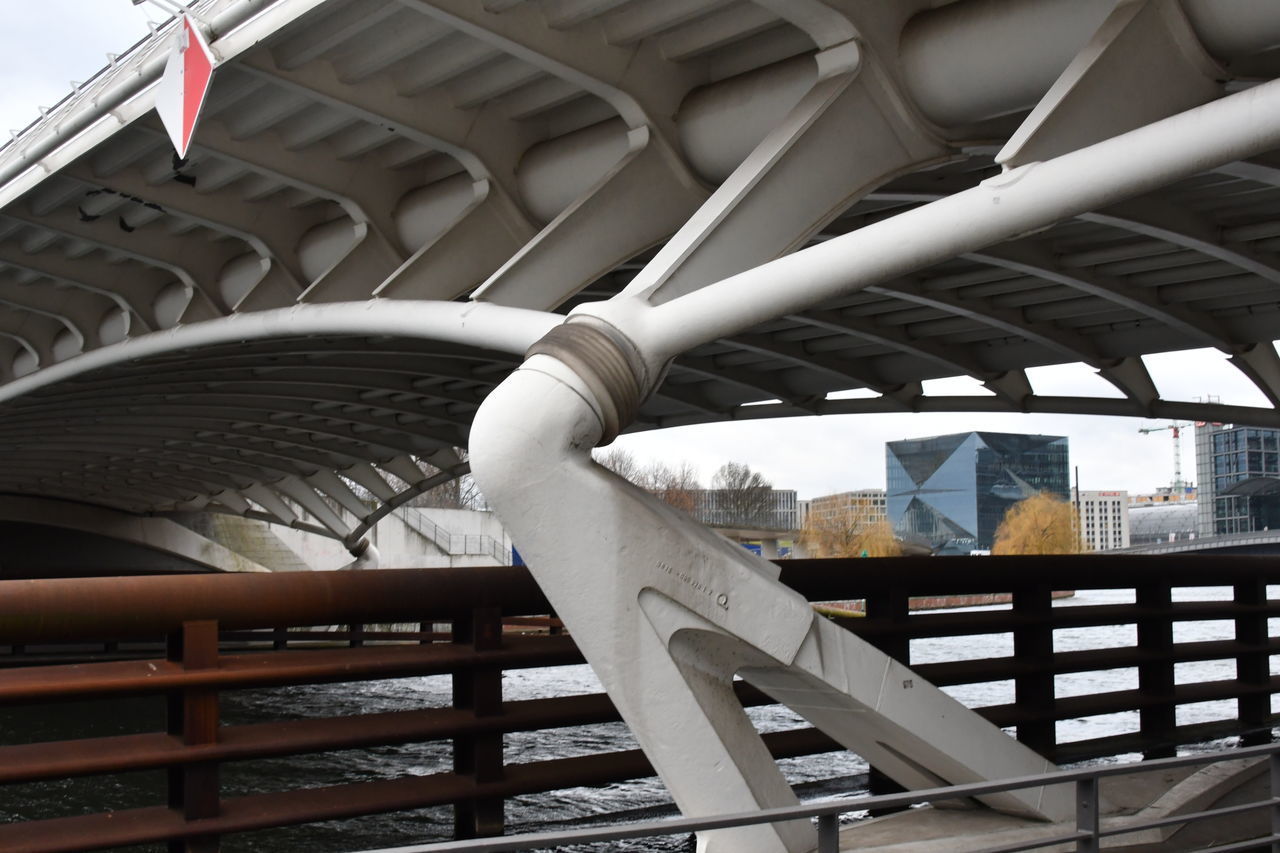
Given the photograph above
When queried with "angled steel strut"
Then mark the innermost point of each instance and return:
(666, 611)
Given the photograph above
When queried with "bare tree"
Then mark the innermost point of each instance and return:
(742, 497)
(458, 493)
(677, 486)
(850, 532)
(621, 462)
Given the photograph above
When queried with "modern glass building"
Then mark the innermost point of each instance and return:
(952, 491)
(1238, 469)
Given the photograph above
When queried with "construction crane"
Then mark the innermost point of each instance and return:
(1177, 427)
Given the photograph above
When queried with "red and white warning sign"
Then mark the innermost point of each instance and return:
(184, 85)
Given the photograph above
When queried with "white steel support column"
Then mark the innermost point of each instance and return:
(667, 612)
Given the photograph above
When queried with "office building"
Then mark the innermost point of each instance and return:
(952, 491)
(1238, 469)
(754, 509)
(1103, 519)
(864, 506)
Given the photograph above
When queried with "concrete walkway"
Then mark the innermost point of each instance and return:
(1127, 800)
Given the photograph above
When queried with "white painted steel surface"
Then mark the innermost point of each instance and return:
(547, 154)
(389, 201)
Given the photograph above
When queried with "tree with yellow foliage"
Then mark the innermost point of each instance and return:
(1040, 524)
(849, 533)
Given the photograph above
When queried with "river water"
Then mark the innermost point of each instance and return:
(835, 774)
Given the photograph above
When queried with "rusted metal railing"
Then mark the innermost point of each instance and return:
(225, 632)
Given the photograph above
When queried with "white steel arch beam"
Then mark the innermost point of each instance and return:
(111, 482)
(283, 451)
(427, 362)
(316, 386)
(509, 330)
(1071, 346)
(347, 427)
(1128, 377)
(155, 533)
(349, 380)
(1261, 365)
(1162, 223)
(683, 394)
(1034, 260)
(1020, 201)
(1184, 228)
(183, 480)
(215, 466)
(842, 370)
(1011, 385)
(758, 383)
(301, 398)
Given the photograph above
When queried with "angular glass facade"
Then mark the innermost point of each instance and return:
(952, 491)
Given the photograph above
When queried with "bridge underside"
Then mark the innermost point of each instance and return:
(409, 226)
(543, 155)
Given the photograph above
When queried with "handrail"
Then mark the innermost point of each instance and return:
(485, 545)
(121, 608)
(35, 614)
(828, 812)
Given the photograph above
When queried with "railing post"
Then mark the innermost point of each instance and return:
(478, 689)
(1273, 762)
(1087, 814)
(892, 608)
(193, 717)
(1156, 678)
(1033, 646)
(1253, 668)
(828, 833)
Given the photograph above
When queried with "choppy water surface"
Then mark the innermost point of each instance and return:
(636, 800)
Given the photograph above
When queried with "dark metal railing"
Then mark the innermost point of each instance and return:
(228, 632)
(1087, 833)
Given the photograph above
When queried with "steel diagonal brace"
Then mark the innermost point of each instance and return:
(668, 612)
(665, 611)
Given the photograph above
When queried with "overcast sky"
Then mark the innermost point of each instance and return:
(46, 45)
